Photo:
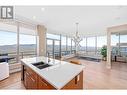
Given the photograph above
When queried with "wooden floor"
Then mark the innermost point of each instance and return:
(13, 82)
(96, 76)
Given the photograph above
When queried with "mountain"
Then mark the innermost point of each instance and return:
(13, 49)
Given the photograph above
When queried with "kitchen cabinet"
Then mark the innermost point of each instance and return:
(75, 83)
(43, 84)
(32, 80)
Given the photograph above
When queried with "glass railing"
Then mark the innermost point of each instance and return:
(11, 58)
(57, 53)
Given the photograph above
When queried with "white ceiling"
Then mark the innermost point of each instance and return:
(93, 20)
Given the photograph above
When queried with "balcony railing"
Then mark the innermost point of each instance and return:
(63, 53)
(11, 58)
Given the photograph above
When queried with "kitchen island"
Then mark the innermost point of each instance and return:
(53, 74)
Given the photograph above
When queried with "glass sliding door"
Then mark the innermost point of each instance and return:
(63, 45)
(50, 48)
(53, 48)
(56, 49)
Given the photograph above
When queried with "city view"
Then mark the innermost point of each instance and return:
(27, 45)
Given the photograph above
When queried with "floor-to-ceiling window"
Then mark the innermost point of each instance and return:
(119, 47)
(68, 45)
(114, 39)
(16, 42)
(123, 44)
(88, 46)
(53, 45)
(63, 45)
(8, 43)
(73, 47)
(101, 41)
(60, 45)
(50, 48)
(82, 46)
(8, 46)
(57, 49)
(27, 43)
(114, 46)
(91, 43)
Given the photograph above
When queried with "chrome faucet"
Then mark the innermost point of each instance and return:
(48, 57)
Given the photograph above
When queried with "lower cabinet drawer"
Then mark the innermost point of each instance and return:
(31, 73)
(30, 82)
(42, 84)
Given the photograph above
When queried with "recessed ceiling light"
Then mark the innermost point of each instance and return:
(42, 9)
(34, 17)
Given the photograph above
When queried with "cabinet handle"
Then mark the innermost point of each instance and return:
(44, 83)
(32, 79)
(77, 78)
(27, 73)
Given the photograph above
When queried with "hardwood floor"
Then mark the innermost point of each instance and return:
(96, 76)
(13, 82)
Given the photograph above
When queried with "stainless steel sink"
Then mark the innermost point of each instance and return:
(41, 65)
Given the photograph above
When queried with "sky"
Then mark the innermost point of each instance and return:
(10, 38)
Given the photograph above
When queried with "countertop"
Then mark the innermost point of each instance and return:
(59, 74)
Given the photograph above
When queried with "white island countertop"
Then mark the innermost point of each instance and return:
(59, 74)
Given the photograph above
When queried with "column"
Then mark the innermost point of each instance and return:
(95, 45)
(41, 40)
(108, 49)
(18, 51)
(60, 54)
(119, 46)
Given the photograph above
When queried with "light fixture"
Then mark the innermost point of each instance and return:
(77, 38)
(42, 9)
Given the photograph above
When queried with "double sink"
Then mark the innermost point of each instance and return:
(41, 65)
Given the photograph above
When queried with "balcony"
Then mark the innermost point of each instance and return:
(12, 57)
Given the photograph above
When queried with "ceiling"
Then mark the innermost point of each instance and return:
(93, 20)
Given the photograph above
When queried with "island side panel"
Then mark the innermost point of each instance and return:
(44, 85)
(75, 83)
